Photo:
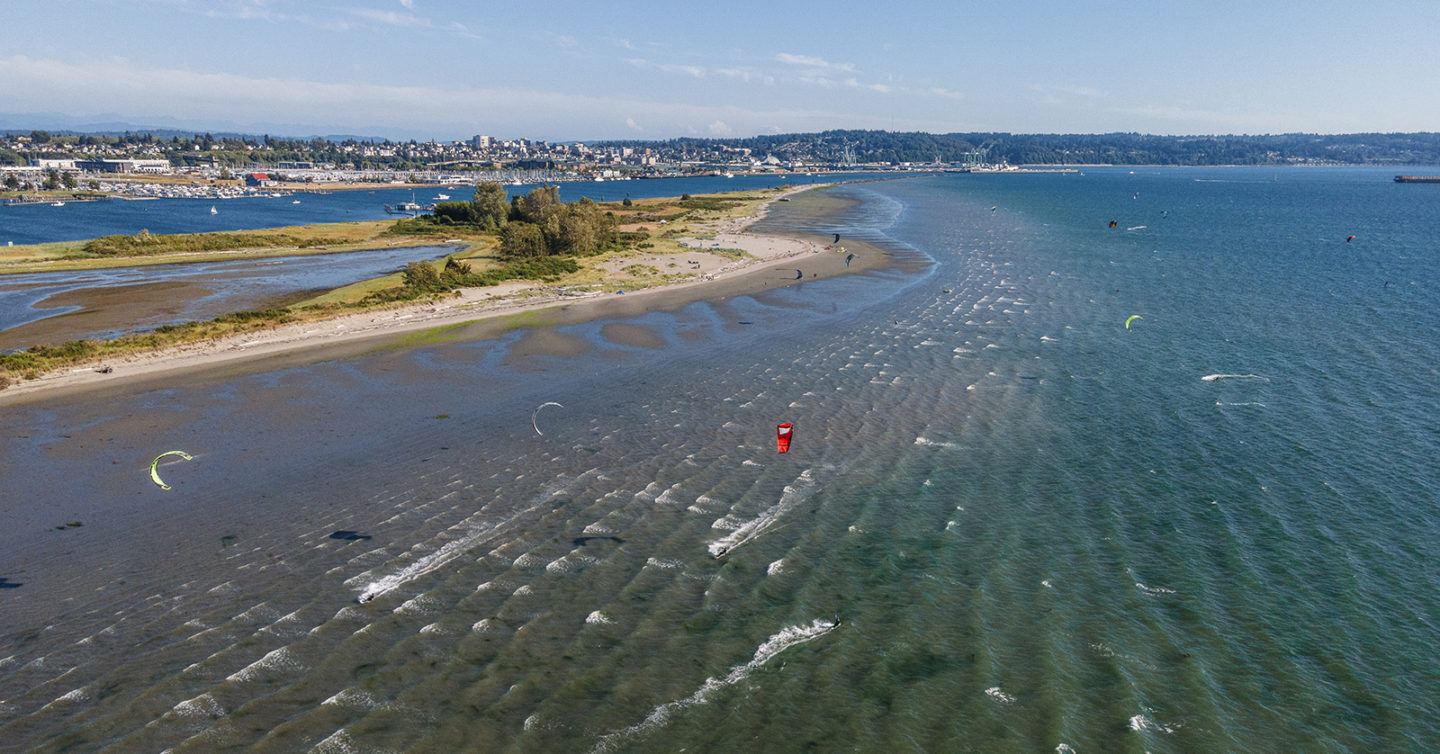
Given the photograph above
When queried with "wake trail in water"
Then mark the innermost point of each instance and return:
(795, 493)
(785, 639)
(1214, 377)
(452, 550)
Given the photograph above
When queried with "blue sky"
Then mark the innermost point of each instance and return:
(564, 70)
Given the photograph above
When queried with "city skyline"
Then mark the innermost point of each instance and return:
(445, 70)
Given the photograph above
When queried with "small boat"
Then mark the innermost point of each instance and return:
(297, 201)
(441, 197)
(213, 211)
(57, 204)
(782, 437)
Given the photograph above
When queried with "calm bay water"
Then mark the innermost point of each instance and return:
(1007, 523)
(229, 286)
(42, 223)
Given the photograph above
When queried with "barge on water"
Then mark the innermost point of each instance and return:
(1417, 179)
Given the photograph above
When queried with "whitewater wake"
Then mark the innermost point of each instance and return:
(785, 639)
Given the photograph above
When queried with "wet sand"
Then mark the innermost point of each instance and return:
(119, 307)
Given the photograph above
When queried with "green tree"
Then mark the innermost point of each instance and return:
(52, 180)
(522, 240)
(422, 277)
(11, 182)
(537, 205)
(579, 228)
(490, 205)
(455, 212)
(68, 180)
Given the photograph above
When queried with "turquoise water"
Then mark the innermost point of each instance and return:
(1007, 523)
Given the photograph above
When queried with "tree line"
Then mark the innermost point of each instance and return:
(533, 225)
(539, 234)
(838, 146)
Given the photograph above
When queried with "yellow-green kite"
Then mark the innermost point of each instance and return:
(155, 474)
(1132, 318)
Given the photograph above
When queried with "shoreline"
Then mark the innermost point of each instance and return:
(483, 312)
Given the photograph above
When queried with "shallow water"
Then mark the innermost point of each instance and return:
(226, 286)
(1033, 527)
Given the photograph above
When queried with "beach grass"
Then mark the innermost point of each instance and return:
(323, 238)
(431, 335)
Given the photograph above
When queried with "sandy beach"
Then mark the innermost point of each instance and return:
(769, 261)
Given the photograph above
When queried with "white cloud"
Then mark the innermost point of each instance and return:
(144, 93)
(388, 17)
(686, 70)
(1051, 94)
(719, 128)
(813, 62)
(741, 74)
(409, 4)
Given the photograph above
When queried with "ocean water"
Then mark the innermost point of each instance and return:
(1006, 523)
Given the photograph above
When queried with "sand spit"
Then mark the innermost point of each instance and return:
(312, 341)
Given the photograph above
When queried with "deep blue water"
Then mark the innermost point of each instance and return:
(1038, 530)
(40, 223)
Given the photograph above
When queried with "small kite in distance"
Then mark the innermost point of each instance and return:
(782, 437)
(154, 471)
(1351, 238)
(848, 258)
(537, 413)
(1130, 319)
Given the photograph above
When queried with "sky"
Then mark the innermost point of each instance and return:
(568, 70)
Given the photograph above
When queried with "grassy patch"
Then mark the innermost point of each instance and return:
(520, 320)
(432, 335)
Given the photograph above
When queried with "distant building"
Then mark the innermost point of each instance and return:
(124, 166)
(45, 163)
(258, 179)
